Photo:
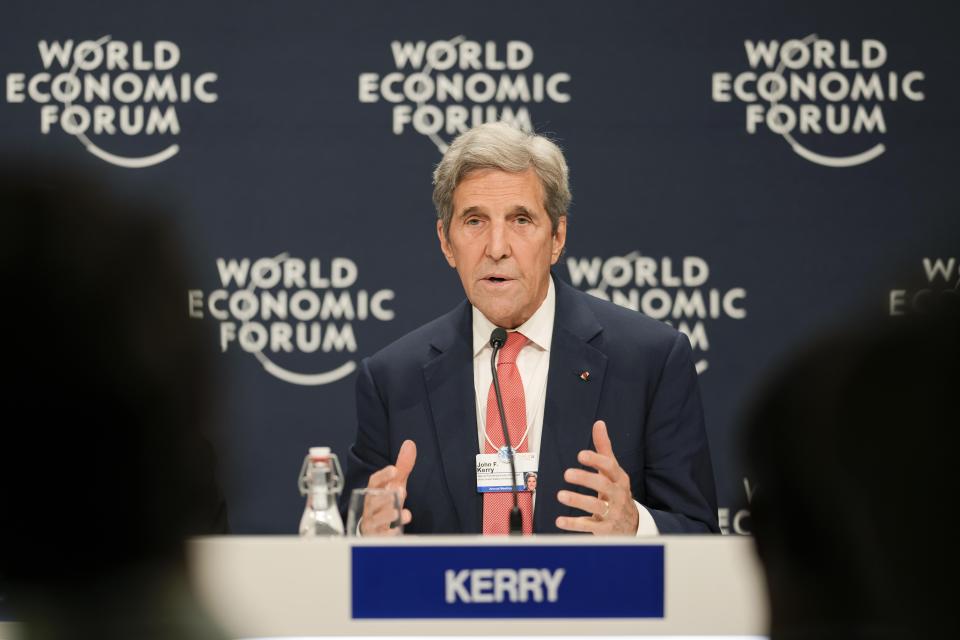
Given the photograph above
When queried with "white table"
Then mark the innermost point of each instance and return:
(286, 586)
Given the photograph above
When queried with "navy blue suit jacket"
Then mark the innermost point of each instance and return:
(642, 382)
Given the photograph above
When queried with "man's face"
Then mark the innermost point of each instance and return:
(501, 243)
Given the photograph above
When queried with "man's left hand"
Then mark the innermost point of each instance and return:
(613, 509)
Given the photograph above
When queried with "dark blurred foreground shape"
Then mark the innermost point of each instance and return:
(854, 452)
(105, 466)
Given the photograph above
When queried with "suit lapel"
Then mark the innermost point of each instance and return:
(450, 390)
(571, 404)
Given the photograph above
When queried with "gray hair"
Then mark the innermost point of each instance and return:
(498, 145)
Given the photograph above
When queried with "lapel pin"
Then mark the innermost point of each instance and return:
(585, 376)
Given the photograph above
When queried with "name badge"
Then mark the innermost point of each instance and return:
(493, 471)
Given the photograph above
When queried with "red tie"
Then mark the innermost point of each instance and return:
(497, 506)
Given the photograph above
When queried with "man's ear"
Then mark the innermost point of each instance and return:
(445, 245)
(559, 239)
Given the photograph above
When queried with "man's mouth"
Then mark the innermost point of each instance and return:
(496, 279)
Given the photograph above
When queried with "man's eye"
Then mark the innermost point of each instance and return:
(524, 220)
(472, 222)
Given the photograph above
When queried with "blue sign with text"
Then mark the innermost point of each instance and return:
(508, 581)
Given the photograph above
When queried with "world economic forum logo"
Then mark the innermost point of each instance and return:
(443, 88)
(810, 89)
(100, 91)
(674, 290)
(941, 277)
(280, 307)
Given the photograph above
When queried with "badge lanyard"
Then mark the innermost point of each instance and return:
(538, 407)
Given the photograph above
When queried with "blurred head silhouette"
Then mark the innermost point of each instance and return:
(853, 449)
(105, 468)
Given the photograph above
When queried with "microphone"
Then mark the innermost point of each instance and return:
(497, 339)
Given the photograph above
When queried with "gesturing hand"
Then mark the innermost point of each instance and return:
(613, 511)
(379, 514)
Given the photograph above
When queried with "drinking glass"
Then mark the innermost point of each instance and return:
(374, 512)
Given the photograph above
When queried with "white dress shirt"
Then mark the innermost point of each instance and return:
(533, 363)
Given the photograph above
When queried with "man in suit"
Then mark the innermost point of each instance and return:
(600, 401)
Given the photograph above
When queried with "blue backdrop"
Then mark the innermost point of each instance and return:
(750, 172)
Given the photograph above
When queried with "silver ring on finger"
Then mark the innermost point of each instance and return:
(606, 510)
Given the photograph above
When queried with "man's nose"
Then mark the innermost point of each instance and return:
(498, 242)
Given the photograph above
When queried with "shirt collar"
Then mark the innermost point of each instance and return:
(538, 328)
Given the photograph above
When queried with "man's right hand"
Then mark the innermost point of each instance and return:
(379, 515)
